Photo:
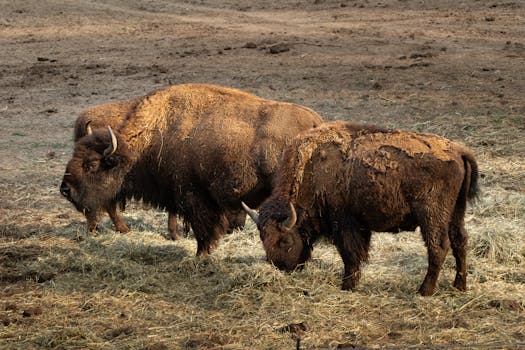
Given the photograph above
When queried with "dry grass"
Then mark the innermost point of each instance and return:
(65, 290)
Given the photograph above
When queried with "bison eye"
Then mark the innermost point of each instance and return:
(286, 242)
(90, 165)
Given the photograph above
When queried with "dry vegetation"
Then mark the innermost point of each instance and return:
(462, 76)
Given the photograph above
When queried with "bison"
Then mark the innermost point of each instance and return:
(344, 180)
(196, 150)
(112, 114)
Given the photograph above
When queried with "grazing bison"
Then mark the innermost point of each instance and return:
(345, 180)
(196, 150)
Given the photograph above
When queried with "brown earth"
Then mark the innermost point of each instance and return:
(455, 68)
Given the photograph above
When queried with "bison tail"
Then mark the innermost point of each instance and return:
(471, 176)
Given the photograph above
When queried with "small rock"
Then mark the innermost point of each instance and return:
(46, 276)
(377, 86)
(279, 48)
(114, 333)
(297, 328)
(250, 45)
(42, 59)
(32, 311)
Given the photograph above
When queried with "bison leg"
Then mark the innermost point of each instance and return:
(208, 222)
(236, 219)
(172, 227)
(438, 244)
(458, 239)
(92, 221)
(120, 225)
(353, 243)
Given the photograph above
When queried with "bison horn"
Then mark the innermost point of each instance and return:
(252, 213)
(291, 220)
(89, 131)
(113, 147)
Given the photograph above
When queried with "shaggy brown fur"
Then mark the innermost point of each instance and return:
(109, 114)
(196, 150)
(345, 180)
(114, 114)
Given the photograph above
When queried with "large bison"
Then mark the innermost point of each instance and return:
(196, 150)
(345, 180)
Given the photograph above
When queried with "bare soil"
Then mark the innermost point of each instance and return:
(455, 68)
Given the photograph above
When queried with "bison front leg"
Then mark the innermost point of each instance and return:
(208, 222)
(172, 227)
(353, 243)
(120, 225)
(236, 219)
(92, 220)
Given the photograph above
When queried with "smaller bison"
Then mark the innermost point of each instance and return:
(345, 180)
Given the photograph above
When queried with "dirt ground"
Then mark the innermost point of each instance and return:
(455, 68)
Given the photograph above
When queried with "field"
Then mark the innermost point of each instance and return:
(455, 68)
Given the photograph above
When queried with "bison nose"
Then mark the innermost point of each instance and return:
(65, 190)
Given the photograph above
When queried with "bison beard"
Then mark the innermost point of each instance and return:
(195, 150)
(346, 180)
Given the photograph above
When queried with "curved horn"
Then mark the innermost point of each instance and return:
(252, 213)
(113, 147)
(89, 131)
(291, 220)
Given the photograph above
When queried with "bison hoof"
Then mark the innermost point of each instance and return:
(425, 291)
(460, 284)
(174, 236)
(348, 285)
(122, 229)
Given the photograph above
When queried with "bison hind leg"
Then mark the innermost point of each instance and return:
(353, 243)
(173, 230)
(458, 238)
(438, 244)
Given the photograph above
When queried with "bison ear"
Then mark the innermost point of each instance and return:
(110, 162)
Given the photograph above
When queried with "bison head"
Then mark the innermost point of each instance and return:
(285, 247)
(95, 173)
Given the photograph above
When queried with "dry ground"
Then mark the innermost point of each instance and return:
(455, 68)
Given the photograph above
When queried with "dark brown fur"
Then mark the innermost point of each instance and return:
(102, 116)
(196, 150)
(114, 114)
(346, 180)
